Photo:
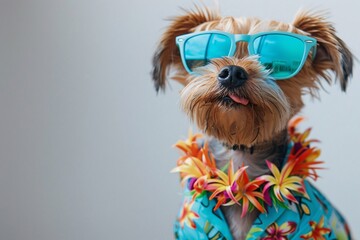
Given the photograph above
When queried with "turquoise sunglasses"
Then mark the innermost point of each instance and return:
(283, 53)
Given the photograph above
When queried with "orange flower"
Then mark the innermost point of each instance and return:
(305, 163)
(294, 135)
(189, 147)
(298, 137)
(208, 160)
(187, 216)
(248, 193)
(302, 156)
(318, 231)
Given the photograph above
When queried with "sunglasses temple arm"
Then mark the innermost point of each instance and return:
(313, 52)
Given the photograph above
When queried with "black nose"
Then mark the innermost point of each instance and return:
(232, 76)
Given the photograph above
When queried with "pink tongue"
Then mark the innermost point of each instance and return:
(238, 99)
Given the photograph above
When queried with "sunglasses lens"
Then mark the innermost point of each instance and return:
(200, 49)
(282, 54)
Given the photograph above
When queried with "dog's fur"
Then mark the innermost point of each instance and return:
(253, 133)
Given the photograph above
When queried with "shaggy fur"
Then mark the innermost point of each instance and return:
(255, 132)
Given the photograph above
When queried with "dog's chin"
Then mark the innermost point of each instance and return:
(233, 120)
(239, 122)
(250, 115)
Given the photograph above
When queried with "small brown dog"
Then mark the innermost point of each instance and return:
(243, 81)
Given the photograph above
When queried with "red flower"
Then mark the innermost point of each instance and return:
(279, 233)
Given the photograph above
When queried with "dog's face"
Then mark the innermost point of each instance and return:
(235, 98)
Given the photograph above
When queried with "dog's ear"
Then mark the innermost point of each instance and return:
(167, 53)
(332, 53)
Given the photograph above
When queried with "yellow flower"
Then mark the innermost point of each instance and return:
(191, 168)
(282, 182)
(196, 173)
(225, 186)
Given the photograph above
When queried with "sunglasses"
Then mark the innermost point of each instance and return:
(283, 53)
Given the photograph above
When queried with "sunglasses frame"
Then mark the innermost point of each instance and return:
(309, 43)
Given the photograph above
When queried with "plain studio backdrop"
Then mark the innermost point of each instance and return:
(85, 142)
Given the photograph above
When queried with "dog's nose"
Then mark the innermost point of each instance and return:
(232, 76)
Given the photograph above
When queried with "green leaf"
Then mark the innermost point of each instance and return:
(252, 233)
(225, 167)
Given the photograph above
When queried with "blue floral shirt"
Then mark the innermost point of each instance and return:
(309, 219)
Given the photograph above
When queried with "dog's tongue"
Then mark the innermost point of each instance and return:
(238, 99)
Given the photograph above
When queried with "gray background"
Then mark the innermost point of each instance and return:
(85, 143)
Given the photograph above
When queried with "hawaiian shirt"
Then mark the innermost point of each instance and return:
(290, 206)
(313, 218)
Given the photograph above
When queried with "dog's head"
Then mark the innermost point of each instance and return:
(244, 78)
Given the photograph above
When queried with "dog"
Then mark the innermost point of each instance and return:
(244, 79)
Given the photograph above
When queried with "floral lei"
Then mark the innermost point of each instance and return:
(198, 169)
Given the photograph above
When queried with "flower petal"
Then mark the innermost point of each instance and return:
(288, 227)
